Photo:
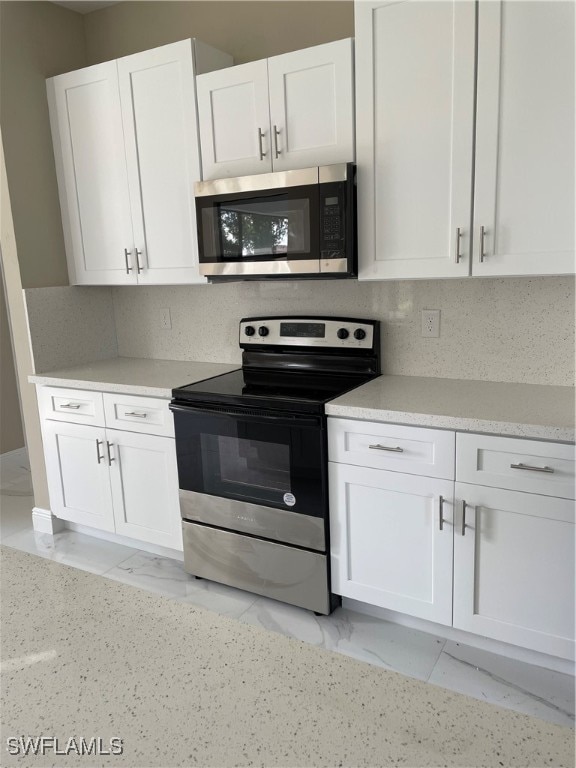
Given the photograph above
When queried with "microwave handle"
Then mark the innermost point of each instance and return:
(247, 415)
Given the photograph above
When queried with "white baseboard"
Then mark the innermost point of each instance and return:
(43, 521)
(19, 451)
(144, 546)
(566, 666)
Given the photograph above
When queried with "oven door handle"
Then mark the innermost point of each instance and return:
(249, 414)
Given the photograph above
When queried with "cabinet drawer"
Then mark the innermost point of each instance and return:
(516, 464)
(428, 452)
(149, 415)
(74, 405)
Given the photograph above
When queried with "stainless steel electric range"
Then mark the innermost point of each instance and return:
(252, 456)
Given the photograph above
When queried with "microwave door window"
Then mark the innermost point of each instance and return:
(246, 230)
(256, 228)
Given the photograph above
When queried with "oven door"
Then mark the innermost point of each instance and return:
(263, 474)
(270, 232)
(257, 458)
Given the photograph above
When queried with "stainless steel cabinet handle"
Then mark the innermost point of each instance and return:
(458, 237)
(109, 446)
(378, 447)
(441, 512)
(71, 406)
(482, 238)
(277, 152)
(260, 147)
(532, 469)
(126, 254)
(138, 265)
(134, 413)
(98, 444)
(463, 517)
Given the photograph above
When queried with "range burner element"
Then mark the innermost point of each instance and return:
(253, 460)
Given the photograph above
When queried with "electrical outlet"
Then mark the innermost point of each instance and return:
(165, 319)
(431, 323)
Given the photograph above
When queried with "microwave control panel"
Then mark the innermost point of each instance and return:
(332, 218)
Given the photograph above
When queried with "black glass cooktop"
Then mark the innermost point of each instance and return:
(304, 392)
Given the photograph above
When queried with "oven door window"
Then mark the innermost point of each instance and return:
(269, 226)
(273, 462)
(240, 467)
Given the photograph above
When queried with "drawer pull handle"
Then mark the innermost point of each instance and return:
(441, 512)
(111, 457)
(464, 505)
(98, 444)
(379, 447)
(136, 413)
(71, 406)
(532, 469)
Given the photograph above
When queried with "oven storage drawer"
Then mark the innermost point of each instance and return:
(278, 571)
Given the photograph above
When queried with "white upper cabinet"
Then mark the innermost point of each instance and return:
(414, 129)
(127, 156)
(524, 183)
(312, 106)
(88, 140)
(159, 117)
(449, 188)
(234, 121)
(286, 112)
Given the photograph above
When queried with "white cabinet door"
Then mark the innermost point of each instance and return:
(157, 91)
(144, 481)
(524, 182)
(388, 547)
(77, 471)
(514, 568)
(312, 106)
(92, 178)
(234, 121)
(414, 135)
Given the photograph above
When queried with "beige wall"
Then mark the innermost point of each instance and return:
(11, 434)
(22, 354)
(37, 40)
(246, 30)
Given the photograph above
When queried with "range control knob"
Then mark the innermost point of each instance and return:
(359, 334)
(249, 330)
(342, 333)
(263, 331)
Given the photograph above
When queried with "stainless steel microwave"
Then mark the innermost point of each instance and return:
(292, 224)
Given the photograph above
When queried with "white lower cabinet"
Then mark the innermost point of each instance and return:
(514, 568)
(501, 564)
(77, 471)
(392, 540)
(114, 480)
(144, 481)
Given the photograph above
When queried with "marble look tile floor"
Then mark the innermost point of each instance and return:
(483, 675)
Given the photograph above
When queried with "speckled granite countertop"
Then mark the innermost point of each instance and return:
(521, 410)
(132, 375)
